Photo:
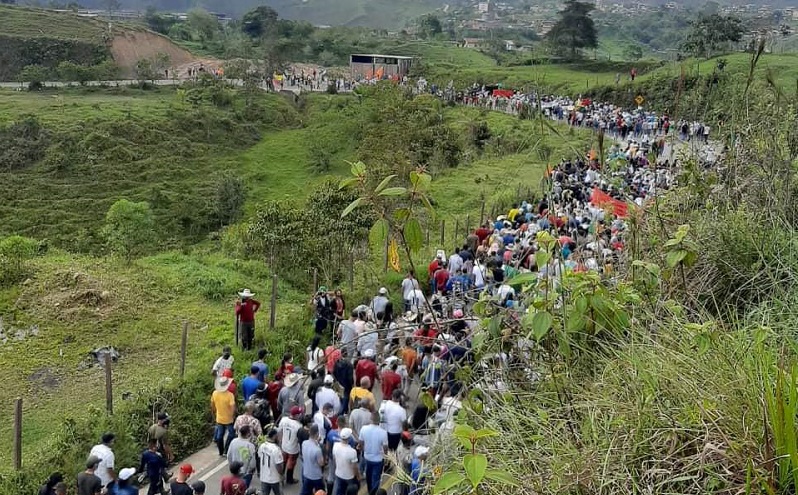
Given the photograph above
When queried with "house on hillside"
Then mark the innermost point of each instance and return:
(473, 42)
(363, 66)
(510, 46)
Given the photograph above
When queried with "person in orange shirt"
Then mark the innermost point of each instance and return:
(409, 357)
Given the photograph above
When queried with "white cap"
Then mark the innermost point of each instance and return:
(421, 450)
(383, 290)
(346, 433)
(368, 353)
(329, 379)
(126, 473)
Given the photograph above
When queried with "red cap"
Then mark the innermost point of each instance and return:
(296, 411)
(186, 469)
(227, 372)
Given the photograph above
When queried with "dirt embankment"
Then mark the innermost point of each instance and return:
(131, 46)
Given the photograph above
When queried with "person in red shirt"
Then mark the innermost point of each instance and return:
(366, 367)
(390, 379)
(331, 355)
(483, 233)
(441, 277)
(433, 267)
(228, 373)
(233, 484)
(245, 316)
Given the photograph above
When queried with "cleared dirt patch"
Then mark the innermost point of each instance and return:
(129, 46)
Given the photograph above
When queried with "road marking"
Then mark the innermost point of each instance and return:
(213, 471)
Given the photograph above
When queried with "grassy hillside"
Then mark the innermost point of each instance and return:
(32, 23)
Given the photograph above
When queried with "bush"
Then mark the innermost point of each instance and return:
(15, 251)
(22, 143)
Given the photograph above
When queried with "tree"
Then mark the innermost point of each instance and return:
(202, 24)
(34, 75)
(15, 251)
(129, 228)
(633, 51)
(145, 71)
(260, 21)
(709, 33)
(429, 26)
(575, 29)
(228, 200)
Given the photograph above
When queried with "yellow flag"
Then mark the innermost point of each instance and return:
(393, 256)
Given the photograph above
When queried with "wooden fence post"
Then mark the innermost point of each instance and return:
(18, 433)
(273, 305)
(109, 391)
(183, 343)
(456, 230)
(443, 232)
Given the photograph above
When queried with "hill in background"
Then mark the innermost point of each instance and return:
(31, 36)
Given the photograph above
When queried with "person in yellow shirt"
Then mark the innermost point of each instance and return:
(223, 408)
(514, 211)
(361, 392)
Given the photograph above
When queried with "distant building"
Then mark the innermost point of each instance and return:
(509, 45)
(378, 66)
(483, 7)
(473, 42)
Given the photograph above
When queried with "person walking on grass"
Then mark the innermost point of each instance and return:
(223, 408)
(225, 361)
(245, 315)
(312, 463)
(242, 451)
(271, 465)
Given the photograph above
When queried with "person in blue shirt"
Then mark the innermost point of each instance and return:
(154, 465)
(250, 384)
(263, 368)
(459, 284)
(418, 470)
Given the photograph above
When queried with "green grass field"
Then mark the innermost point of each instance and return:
(35, 23)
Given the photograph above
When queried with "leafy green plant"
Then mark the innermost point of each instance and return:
(474, 465)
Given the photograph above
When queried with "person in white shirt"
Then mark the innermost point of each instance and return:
(326, 395)
(288, 434)
(394, 417)
(271, 465)
(105, 470)
(455, 263)
(416, 301)
(224, 362)
(374, 445)
(368, 339)
(409, 284)
(346, 464)
(323, 419)
(380, 301)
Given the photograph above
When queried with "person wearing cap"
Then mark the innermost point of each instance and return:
(323, 419)
(271, 464)
(88, 482)
(374, 445)
(49, 487)
(223, 362)
(154, 464)
(288, 435)
(367, 367)
(105, 471)
(198, 487)
(312, 463)
(418, 469)
(233, 387)
(291, 395)
(362, 392)
(242, 451)
(179, 486)
(380, 302)
(159, 431)
(233, 483)
(346, 463)
(390, 379)
(394, 416)
(223, 408)
(123, 483)
(246, 308)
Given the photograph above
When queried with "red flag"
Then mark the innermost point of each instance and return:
(601, 199)
(504, 93)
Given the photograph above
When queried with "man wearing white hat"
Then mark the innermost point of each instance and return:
(346, 464)
(245, 316)
(123, 483)
(223, 408)
(380, 301)
(418, 469)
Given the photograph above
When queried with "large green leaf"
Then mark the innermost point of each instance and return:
(393, 191)
(448, 481)
(475, 466)
(523, 279)
(348, 182)
(575, 323)
(378, 232)
(542, 259)
(413, 235)
(358, 169)
(675, 257)
(541, 323)
(501, 477)
(384, 183)
(354, 204)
